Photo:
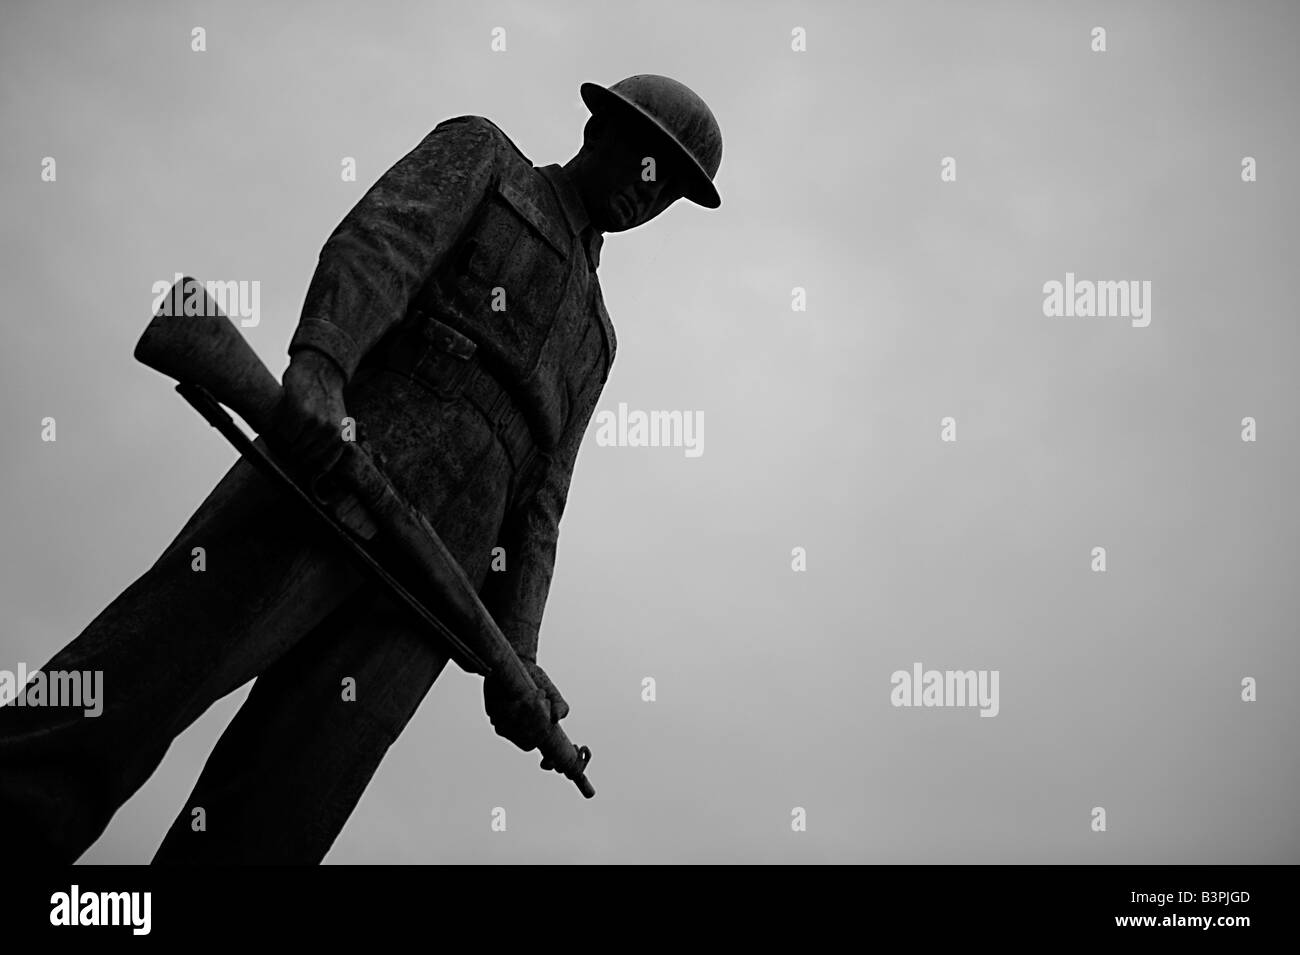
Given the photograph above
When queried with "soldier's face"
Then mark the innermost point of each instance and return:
(632, 177)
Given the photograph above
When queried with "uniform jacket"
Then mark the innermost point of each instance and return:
(460, 220)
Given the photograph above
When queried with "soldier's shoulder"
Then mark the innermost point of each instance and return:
(482, 130)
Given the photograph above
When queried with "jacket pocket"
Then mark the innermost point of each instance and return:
(434, 354)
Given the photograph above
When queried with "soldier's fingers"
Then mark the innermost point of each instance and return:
(321, 450)
(325, 455)
(287, 424)
(309, 445)
(524, 740)
(324, 432)
(308, 459)
(559, 708)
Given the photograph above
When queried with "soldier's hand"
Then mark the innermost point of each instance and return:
(523, 722)
(559, 708)
(308, 421)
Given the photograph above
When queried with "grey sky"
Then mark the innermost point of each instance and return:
(1119, 689)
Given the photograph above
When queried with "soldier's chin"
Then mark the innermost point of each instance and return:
(616, 219)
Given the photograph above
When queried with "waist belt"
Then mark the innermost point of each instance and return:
(448, 363)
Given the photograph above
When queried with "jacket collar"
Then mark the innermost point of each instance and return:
(574, 210)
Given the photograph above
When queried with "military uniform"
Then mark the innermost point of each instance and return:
(477, 414)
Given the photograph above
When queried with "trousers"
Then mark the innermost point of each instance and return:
(279, 603)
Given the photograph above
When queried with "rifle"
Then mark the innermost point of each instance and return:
(215, 366)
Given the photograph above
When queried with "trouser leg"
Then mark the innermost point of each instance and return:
(173, 642)
(293, 763)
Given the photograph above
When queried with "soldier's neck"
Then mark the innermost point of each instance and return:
(573, 170)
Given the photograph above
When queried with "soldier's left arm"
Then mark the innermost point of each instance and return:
(516, 597)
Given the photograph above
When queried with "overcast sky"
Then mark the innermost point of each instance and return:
(924, 300)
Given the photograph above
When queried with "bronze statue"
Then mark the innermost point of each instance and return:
(456, 316)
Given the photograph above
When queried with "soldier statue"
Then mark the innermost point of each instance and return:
(456, 316)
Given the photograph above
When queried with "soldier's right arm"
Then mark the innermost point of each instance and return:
(370, 268)
(393, 238)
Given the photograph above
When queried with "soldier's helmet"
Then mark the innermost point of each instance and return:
(673, 111)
